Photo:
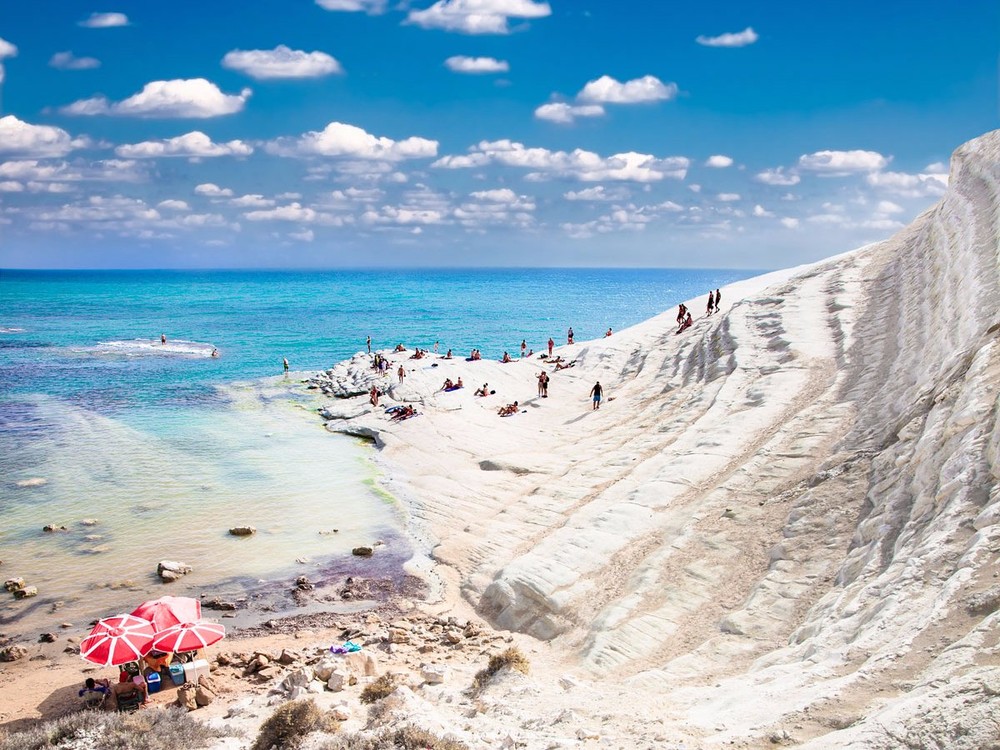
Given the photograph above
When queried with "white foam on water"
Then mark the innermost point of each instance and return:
(4, 329)
(152, 348)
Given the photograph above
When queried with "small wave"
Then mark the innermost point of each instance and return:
(4, 329)
(153, 348)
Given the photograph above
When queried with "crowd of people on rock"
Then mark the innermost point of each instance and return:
(381, 364)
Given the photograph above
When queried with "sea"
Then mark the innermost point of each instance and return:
(136, 451)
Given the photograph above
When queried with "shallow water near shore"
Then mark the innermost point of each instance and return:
(166, 447)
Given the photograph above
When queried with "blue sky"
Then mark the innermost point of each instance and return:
(479, 132)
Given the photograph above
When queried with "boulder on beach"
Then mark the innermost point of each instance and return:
(171, 570)
(26, 593)
(13, 584)
(13, 653)
(243, 530)
(362, 551)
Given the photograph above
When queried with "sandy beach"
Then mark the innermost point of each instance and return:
(780, 527)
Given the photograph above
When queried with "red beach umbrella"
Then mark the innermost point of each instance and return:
(117, 640)
(168, 611)
(189, 636)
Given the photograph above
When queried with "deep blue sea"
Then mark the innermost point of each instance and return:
(146, 451)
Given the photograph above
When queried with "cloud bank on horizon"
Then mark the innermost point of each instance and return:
(475, 132)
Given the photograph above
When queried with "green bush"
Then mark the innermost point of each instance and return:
(290, 723)
(512, 658)
(381, 688)
(406, 738)
(145, 730)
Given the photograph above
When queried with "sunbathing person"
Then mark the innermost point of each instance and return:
(405, 413)
(447, 384)
(458, 383)
(566, 366)
(448, 355)
(484, 391)
(506, 357)
(399, 348)
(686, 324)
(506, 411)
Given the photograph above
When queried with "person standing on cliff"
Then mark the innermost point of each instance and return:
(401, 373)
(597, 392)
(551, 344)
(718, 300)
(569, 335)
(368, 342)
(284, 361)
(711, 303)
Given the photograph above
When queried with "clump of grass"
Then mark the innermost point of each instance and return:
(382, 687)
(512, 658)
(146, 730)
(408, 737)
(290, 723)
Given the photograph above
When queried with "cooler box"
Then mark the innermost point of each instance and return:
(195, 669)
(177, 673)
(153, 682)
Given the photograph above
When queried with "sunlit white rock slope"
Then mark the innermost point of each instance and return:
(787, 518)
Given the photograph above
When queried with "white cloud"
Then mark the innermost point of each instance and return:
(597, 193)
(888, 207)
(20, 138)
(477, 16)
(193, 97)
(738, 39)
(291, 212)
(567, 113)
(191, 145)
(109, 170)
(340, 139)
(6, 50)
(762, 213)
(213, 191)
(288, 196)
(789, 223)
(281, 62)
(69, 61)
(778, 176)
(909, 185)
(728, 197)
(719, 161)
(307, 235)
(50, 187)
(938, 167)
(579, 164)
(368, 6)
(463, 64)
(252, 201)
(172, 204)
(11, 186)
(607, 90)
(104, 20)
(840, 163)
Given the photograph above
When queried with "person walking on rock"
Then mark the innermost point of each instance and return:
(597, 392)
(401, 373)
(711, 303)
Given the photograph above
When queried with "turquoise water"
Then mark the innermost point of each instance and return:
(166, 447)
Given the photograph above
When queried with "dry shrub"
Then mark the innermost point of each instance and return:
(512, 658)
(383, 687)
(407, 738)
(290, 723)
(145, 730)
